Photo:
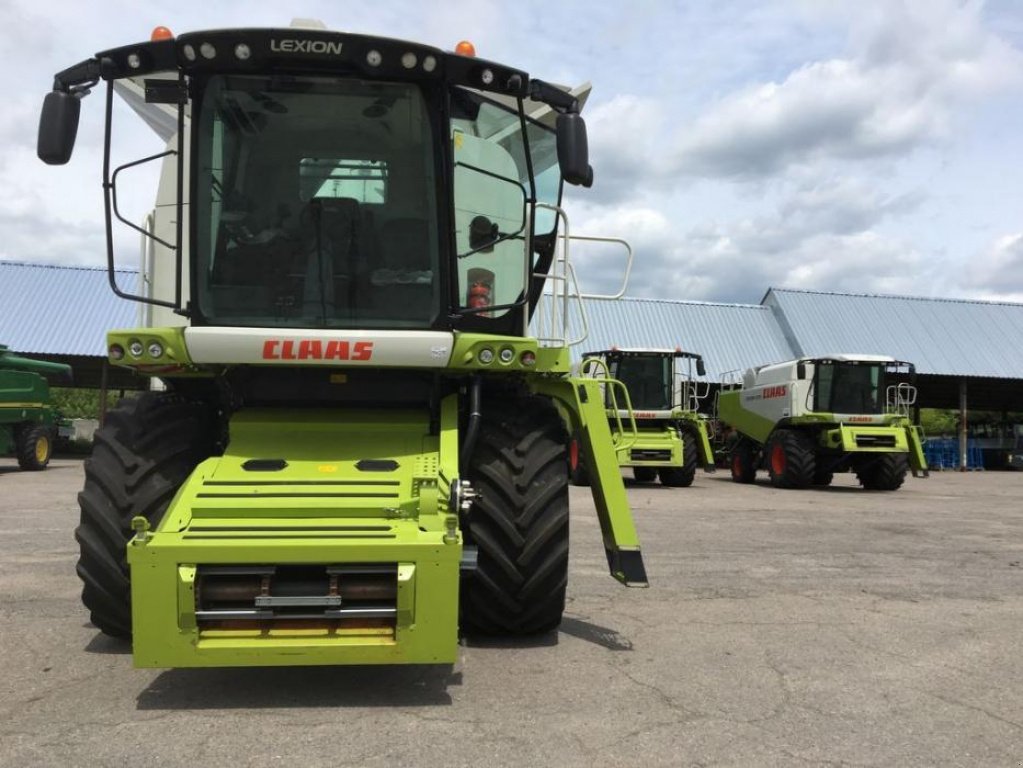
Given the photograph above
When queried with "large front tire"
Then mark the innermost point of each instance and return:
(790, 459)
(886, 473)
(644, 474)
(682, 477)
(145, 450)
(519, 522)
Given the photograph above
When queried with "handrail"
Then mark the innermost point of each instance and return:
(592, 366)
(628, 263)
(899, 398)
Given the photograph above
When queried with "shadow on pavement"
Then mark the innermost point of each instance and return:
(105, 644)
(259, 687)
(605, 637)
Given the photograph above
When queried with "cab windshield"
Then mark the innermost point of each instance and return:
(848, 388)
(648, 380)
(316, 204)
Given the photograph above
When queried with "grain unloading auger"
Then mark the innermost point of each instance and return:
(360, 448)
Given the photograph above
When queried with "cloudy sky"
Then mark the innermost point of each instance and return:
(870, 146)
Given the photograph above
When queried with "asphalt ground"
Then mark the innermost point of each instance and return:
(820, 627)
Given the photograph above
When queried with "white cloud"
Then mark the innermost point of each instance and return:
(912, 66)
(998, 273)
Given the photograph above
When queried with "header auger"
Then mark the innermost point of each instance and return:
(360, 448)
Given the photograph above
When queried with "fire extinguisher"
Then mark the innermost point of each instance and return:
(481, 289)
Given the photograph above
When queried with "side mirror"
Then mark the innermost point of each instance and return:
(573, 150)
(800, 370)
(58, 127)
(483, 233)
(701, 369)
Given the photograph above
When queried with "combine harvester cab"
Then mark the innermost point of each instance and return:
(29, 424)
(652, 397)
(359, 449)
(804, 420)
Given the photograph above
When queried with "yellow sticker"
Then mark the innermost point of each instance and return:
(339, 378)
(458, 139)
(327, 468)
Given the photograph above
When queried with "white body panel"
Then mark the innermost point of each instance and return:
(774, 391)
(273, 346)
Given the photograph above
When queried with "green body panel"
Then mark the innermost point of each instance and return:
(583, 401)
(24, 395)
(915, 440)
(701, 427)
(750, 424)
(319, 509)
(663, 437)
(843, 438)
(322, 509)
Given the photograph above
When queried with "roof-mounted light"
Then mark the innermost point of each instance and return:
(465, 48)
(374, 58)
(409, 60)
(429, 63)
(161, 33)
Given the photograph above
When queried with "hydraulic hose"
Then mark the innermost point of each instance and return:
(473, 428)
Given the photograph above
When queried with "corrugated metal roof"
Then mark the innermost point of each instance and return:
(940, 336)
(51, 310)
(729, 336)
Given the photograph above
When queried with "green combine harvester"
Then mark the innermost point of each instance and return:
(29, 424)
(654, 417)
(804, 420)
(360, 449)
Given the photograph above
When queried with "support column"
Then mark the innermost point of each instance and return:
(962, 426)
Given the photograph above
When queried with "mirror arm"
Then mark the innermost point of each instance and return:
(80, 78)
(560, 101)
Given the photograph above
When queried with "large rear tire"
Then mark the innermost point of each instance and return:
(790, 459)
(34, 447)
(886, 473)
(145, 450)
(519, 522)
(743, 462)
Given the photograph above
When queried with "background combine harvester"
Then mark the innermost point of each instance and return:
(652, 398)
(360, 447)
(803, 420)
(29, 423)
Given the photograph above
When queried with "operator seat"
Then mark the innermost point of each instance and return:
(402, 283)
(331, 256)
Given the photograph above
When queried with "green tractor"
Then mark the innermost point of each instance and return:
(29, 424)
(359, 450)
(804, 420)
(656, 424)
